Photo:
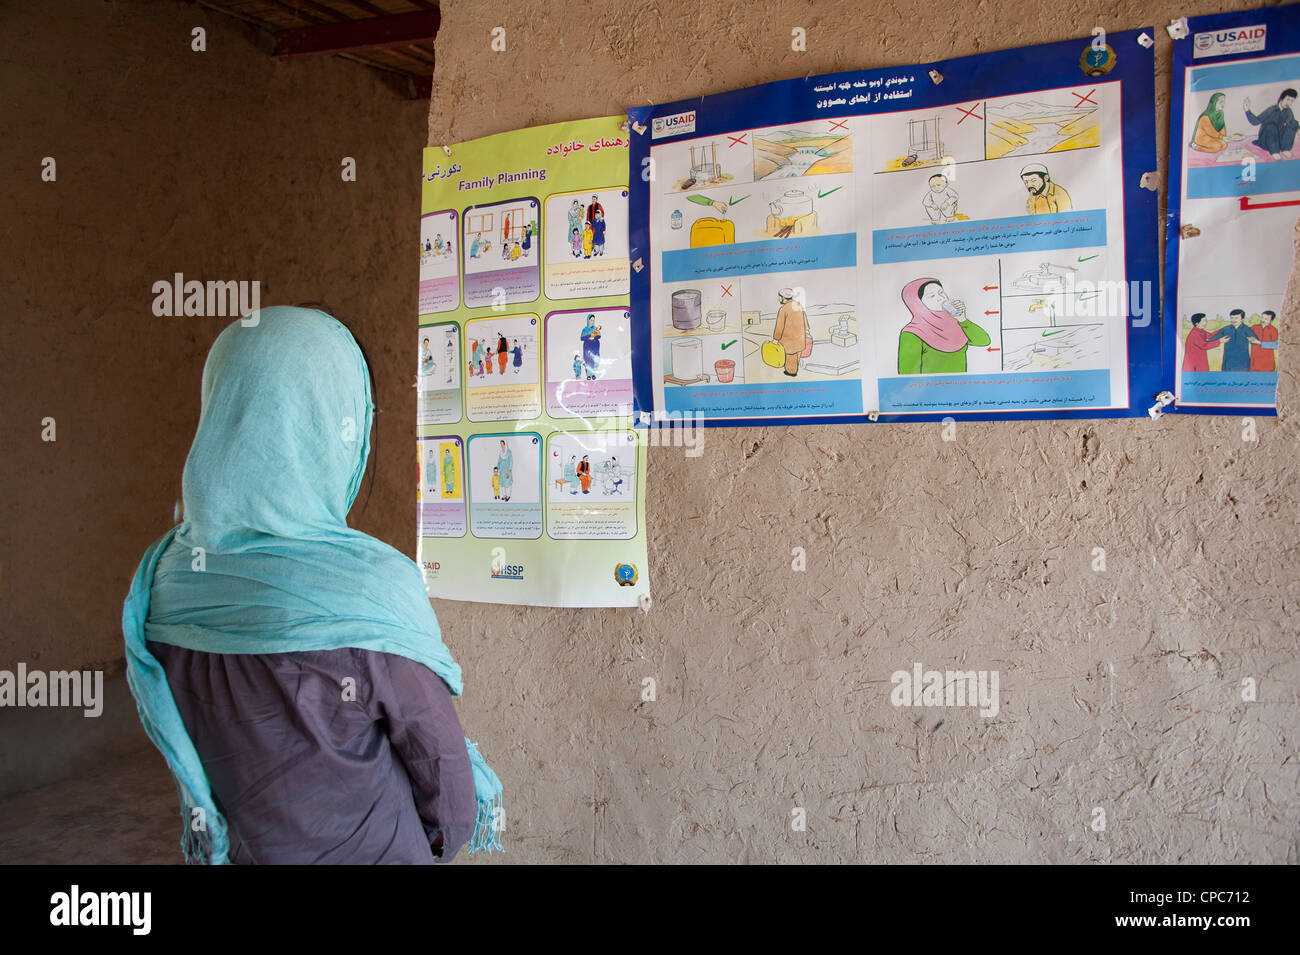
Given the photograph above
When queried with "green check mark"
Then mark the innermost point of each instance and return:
(730, 343)
(1049, 334)
(1088, 258)
(823, 195)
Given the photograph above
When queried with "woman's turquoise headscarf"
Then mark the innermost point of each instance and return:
(264, 561)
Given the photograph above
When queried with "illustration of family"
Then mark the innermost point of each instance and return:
(512, 247)
(578, 474)
(1245, 347)
(936, 338)
(435, 246)
(1277, 126)
(480, 356)
(1045, 196)
(587, 229)
(588, 363)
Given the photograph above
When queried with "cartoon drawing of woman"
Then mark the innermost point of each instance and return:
(448, 473)
(575, 242)
(506, 471)
(528, 238)
(1211, 135)
(1277, 125)
(571, 474)
(936, 338)
(591, 347)
(427, 365)
(575, 217)
(476, 359)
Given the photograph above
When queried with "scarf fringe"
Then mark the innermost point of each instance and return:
(487, 827)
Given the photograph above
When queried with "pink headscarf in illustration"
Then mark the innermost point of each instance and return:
(937, 329)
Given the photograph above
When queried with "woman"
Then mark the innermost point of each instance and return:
(935, 340)
(1211, 136)
(591, 347)
(288, 667)
(584, 474)
(506, 468)
(571, 474)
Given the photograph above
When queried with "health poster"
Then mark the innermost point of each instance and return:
(531, 476)
(970, 237)
(1234, 196)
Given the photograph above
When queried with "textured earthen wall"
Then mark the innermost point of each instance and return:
(1119, 689)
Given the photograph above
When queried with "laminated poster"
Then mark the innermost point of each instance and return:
(1234, 196)
(531, 480)
(970, 237)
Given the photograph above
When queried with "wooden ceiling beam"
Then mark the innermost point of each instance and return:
(354, 36)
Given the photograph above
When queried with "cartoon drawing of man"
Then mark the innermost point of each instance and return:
(791, 329)
(1044, 195)
(1261, 358)
(1237, 339)
(1277, 126)
(592, 208)
(940, 202)
(1197, 347)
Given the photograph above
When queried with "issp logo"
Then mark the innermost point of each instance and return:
(501, 570)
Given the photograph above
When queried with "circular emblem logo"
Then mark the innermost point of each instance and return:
(625, 574)
(1096, 62)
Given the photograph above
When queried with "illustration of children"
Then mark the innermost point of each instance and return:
(1197, 347)
(515, 252)
(940, 201)
(1277, 126)
(496, 484)
(936, 339)
(575, 242)
(487, 359)
(1045, 196)
(577, 366)
(437, 243)
(598, 234)
(594, 209)
(588, 236)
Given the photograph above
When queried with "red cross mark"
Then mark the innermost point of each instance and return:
(740, 140)
(1084, 99)
(838, 124)
(726, 291)
(968, 112)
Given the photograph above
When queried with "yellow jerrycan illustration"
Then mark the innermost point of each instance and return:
(710, 231)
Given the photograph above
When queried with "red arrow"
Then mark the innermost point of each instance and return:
(989, 288)
(991, 348)
(992, 312)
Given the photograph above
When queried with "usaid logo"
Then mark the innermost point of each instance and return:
(1223, 42)
(674, 125)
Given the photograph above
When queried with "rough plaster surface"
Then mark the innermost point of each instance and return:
(1119, 689)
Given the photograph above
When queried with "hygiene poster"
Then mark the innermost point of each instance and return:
(531, 482)
(970, 237)
(1234, 196)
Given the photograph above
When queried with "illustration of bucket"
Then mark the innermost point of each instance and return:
(686, 308)
(688, 359)
(716, 318)
(726, 369)
(807, 347)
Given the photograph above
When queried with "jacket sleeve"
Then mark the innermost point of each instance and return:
(909, 354)
(426, 734)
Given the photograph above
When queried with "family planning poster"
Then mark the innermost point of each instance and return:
(1234, 185)
(531, 478)
(970, 237)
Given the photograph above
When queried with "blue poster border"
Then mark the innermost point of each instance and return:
(1283, 22)
(1000, 73)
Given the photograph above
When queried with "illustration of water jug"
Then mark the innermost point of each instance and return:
(791, 205)
(676, 219)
